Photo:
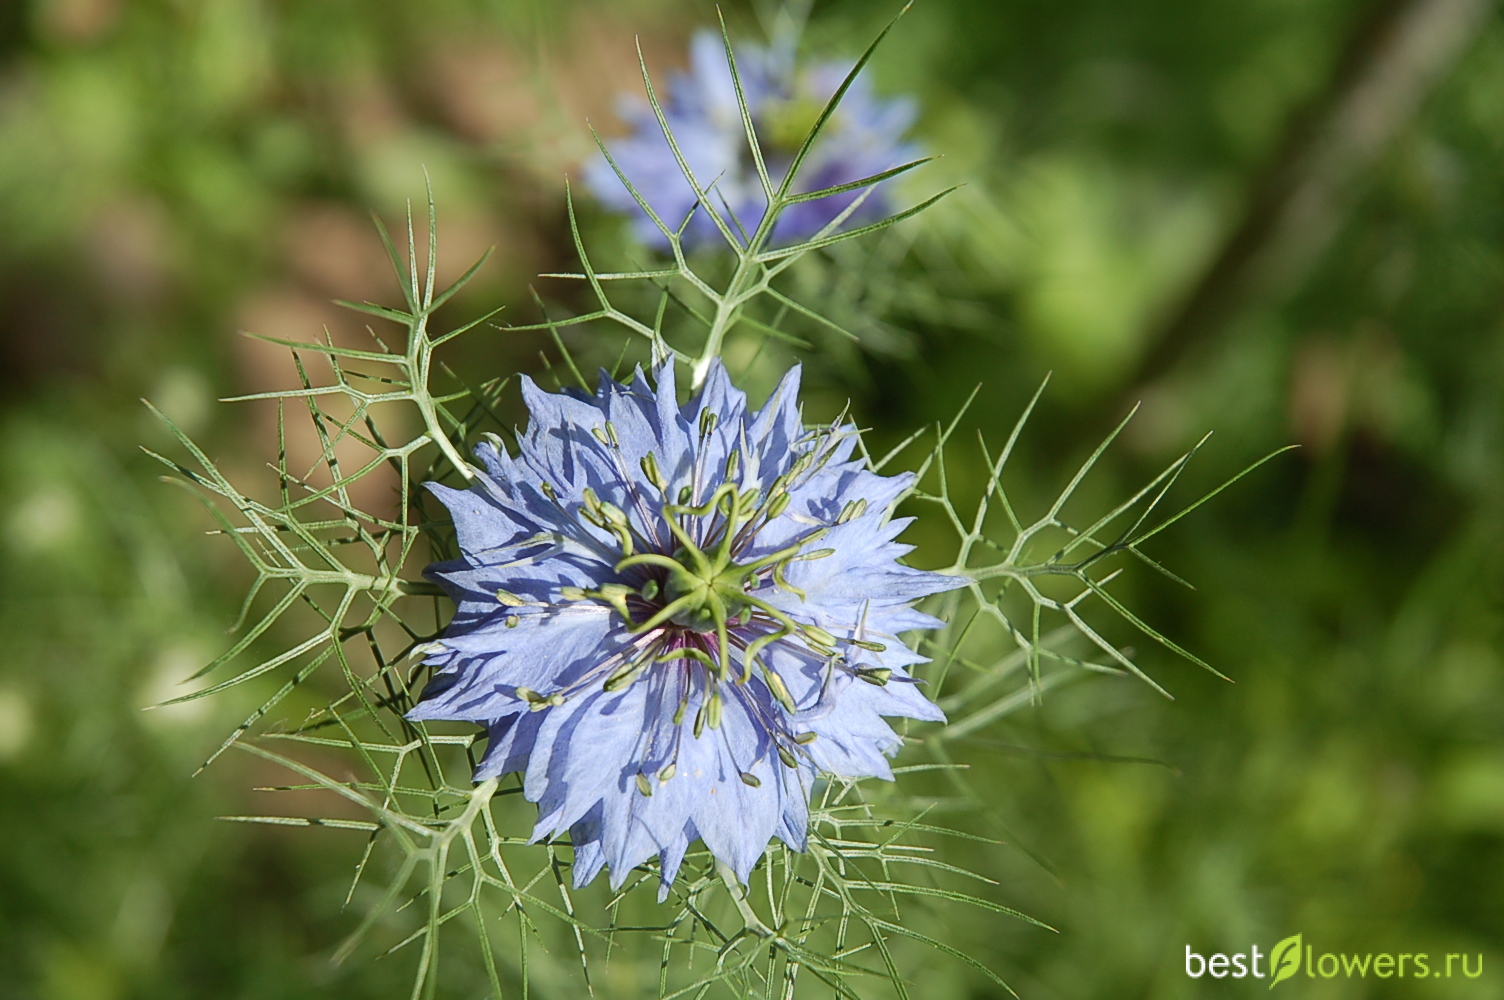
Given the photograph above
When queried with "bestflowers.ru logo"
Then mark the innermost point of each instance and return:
(1292, 957)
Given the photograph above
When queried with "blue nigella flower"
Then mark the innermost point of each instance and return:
(863, 138)
(673, 619)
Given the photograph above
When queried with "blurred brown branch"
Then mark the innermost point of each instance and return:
(1396, 55)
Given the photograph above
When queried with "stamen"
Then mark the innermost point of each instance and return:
(624, 677)
(816, 634)
(654, 474)
(779, 689)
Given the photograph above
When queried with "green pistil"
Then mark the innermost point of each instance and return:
(703, 588)
(706, 589)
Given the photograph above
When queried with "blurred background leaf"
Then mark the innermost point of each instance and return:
(174, 171)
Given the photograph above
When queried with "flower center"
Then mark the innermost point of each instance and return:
(705, 588)
(705, 600)
(706, 596)
(785, 122)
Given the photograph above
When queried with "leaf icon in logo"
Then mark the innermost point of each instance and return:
(1284, 960)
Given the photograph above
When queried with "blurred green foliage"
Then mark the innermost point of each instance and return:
(172, 170)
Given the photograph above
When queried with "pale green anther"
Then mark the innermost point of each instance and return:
(600, 435)
(684, 495)
(878, 677)
(527, 694)
(779, 505)
(708, 420)
(613, 514)
(700, 722)
(625, 676)
(779, 689)
(679, 714)
(805, 739)
(548, 490)
(667, 772)
(643, 785)
(750, 779)
(816, 634)
(611, 433)
(847, 512)
(868, 644)
(713, 712)
(572, 593)
(513, 621)
(554, 700)
(510, 599)
(732, 461)
(592, 502)
(654, 474)
(787, 758)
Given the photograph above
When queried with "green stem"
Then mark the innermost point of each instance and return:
(419, 361)
(739, 897)
(727, 308)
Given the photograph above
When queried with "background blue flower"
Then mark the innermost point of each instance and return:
(672, 620)
(863, 138)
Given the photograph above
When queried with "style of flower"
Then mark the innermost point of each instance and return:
(673, 619)
(863, 138)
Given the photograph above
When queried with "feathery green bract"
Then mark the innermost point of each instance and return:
(444, 854)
